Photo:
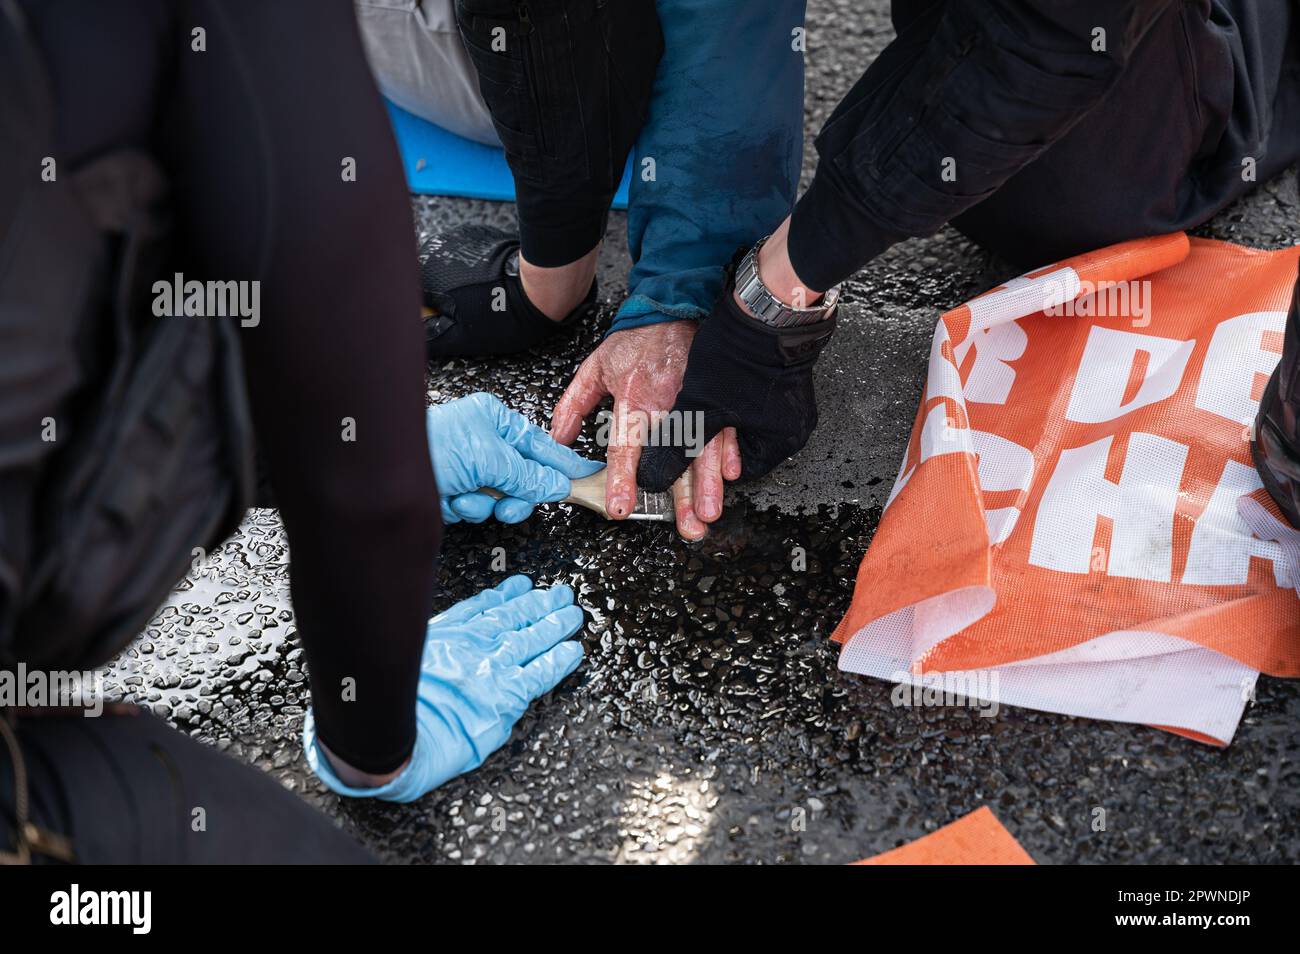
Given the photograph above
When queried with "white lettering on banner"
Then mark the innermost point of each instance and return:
(1108, 361)
(1140, 507)
(1222, 545)
(1003, 465)
(942, 378)
(940, 435)
(1232, 361)
(991, 376)
(1022, 297)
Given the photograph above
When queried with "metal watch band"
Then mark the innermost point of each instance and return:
(769, 309)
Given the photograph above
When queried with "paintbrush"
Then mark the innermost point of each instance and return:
(589, 492)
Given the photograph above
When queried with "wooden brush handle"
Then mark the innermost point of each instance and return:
(586, 492)
(589, 492)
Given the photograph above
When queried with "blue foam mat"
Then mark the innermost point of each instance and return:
(438, 162)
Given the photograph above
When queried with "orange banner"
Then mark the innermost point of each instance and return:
(1066, 514)
(974, 839)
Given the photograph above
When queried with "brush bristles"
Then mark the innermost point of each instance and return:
(651, 506)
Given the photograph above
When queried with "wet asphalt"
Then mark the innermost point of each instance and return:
(709, 722)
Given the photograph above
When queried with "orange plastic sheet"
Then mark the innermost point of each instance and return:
(1066, 531)
(974, 839)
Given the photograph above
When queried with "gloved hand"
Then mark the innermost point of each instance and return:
(477, 441)
(744, 374)
(485, 660)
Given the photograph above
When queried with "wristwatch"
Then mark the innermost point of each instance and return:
(769, 309)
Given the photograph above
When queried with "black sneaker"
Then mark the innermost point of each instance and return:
(470, 277)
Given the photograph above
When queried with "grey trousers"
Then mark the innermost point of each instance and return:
(419, 62)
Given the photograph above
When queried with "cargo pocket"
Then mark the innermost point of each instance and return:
(504, 81)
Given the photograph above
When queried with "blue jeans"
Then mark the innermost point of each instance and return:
(717, 162)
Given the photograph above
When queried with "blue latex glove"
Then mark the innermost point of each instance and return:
(485, 660)
(477, 441)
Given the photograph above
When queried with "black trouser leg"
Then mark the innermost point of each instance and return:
(568, 84)
(129, 789)
(262, 134)
(1164, 150)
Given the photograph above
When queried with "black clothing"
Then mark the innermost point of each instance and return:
(1276, 445)
(568, 84)
(1051, 146)
(254, 133)
(129, 789)
(284, 172)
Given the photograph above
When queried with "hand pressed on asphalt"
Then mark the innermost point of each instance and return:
(477, 441)
(642, 369)
(485, 660)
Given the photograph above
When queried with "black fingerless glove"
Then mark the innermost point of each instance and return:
(741, 373)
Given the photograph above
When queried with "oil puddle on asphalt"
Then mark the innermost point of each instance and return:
(707, 669)
(694, 652)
